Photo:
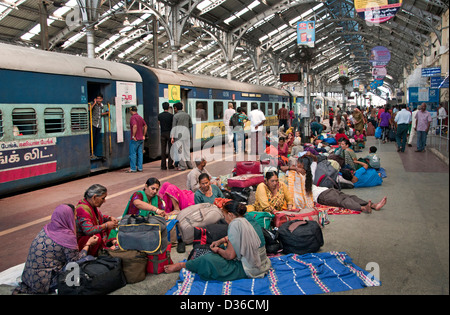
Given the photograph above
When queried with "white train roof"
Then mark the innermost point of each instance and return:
(195, 80)
(35, 60)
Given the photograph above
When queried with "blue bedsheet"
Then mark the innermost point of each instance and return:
(290, 275)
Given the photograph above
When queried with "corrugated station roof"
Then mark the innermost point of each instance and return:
(246, 40)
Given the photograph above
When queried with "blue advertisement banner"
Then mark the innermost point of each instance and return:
(429, 72)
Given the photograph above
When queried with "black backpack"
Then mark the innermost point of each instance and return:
(300, 237)
(235, 120)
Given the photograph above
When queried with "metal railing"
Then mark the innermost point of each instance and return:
(438, 136)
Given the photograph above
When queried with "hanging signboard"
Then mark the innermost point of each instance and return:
(377, 11)
(343, 70)
(306, 33)
(379, 56)
(379, 73)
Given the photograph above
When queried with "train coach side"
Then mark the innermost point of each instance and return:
(45, 118)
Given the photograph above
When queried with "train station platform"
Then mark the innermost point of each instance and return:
(408, 240)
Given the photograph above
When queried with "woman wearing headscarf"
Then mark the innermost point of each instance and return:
(90, 221)
(53, 248)
(243, 257)
(175, 199)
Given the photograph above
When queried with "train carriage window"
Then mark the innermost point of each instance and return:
(263, 108)
(244, 107)
(277, 107)
(79, 119)
(25, 120)
(218, 110)
(269, 109)
(1, 124)
(54, 120)
(201, 110)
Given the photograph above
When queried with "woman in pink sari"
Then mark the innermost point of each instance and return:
(175, 198)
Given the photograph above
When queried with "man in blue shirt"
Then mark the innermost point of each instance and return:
(403, 120)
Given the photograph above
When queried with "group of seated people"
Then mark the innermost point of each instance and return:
(75, 232)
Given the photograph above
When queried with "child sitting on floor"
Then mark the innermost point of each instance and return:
(372, 158)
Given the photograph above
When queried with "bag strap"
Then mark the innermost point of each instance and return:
(295, 225)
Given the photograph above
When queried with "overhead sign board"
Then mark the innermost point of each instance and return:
(430, 72)
(306, 33)
(290, 77)
(377, 11)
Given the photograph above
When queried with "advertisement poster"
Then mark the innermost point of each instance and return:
(379, 56)
(379, 73)
(343, 70)
(306, 33)
(377, 11)
(27, 158)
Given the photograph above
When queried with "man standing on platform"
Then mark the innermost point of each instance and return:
(165, 120)
(181, 131)
(283, 116)
(403, 120)
(423, 121)
(226, 121)
(257, 120)
(138, 129)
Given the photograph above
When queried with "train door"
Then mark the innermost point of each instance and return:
(100, 125)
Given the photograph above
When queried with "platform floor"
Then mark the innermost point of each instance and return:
(408, 240)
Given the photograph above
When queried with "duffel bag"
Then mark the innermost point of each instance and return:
(92, 277)
(200, 215)
(134, 264)
(156, 263)
(263, 218)
(248, 167)
(210, 233)
(282, 217)
(300, 237)
(147, 234)
(245, 180)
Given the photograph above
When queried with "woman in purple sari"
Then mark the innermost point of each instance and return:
(53, 247)
(175, 198)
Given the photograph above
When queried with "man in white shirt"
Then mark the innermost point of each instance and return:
(318, 113)
(442, 114)
(226, 121)
(403, 120)
(257, 120)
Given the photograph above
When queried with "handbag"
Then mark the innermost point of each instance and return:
(156, 263)
(147, 234)
(307, 214)
(134, 263)
(92, 277)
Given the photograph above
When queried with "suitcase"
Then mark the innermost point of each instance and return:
(282, 217)
(248, 167)
(247, 180)
(156, 263)
(198, 215)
